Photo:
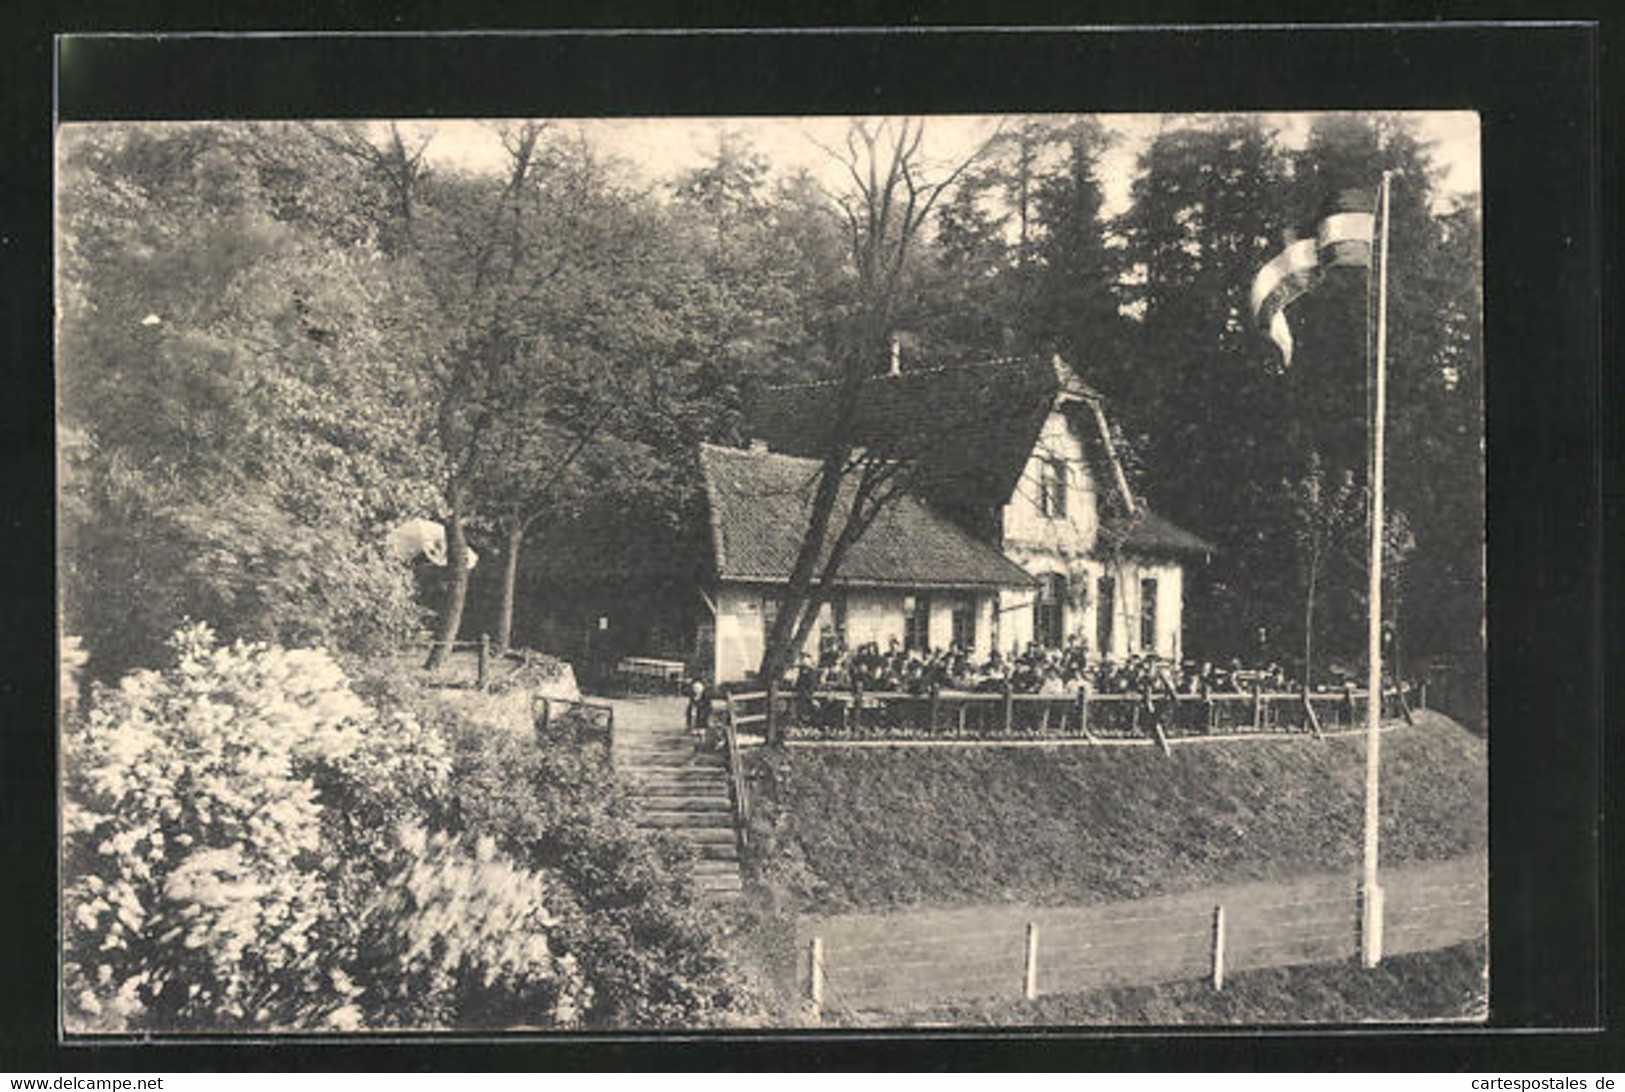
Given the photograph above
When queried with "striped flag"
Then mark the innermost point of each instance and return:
(1343, 237)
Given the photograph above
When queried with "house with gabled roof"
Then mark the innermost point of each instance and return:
(915, 577)
(1019, 526)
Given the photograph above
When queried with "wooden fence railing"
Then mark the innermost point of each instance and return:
(902, 960)
(1155, 717)
(738, 786)
(485, 670)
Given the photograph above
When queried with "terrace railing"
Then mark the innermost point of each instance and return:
(1158, 716)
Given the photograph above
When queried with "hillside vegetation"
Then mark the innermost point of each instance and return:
(842, 829)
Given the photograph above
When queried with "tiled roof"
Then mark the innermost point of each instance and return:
(968, 428)
(1145, 532)
(760, 504)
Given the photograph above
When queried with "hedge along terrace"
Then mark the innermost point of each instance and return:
(254, 841)
(840, 829)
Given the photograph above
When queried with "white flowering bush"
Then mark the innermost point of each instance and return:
(231, 857)
(459, 937)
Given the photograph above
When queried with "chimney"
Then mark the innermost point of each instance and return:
(896, 355)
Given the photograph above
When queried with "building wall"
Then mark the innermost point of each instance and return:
(738, 631)
(1064, 545)
(871, 616)
(1081, 610)
(1025, 525)
(1126, 634)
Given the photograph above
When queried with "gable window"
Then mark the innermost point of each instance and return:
(965, 624)
(1148, 614)
(917, 623)
(1049, 611)
(1052, 488)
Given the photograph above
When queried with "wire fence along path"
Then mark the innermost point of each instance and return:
(914, 959)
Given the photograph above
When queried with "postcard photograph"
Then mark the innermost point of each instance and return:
(697, 573)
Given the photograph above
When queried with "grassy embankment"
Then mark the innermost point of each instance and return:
(839, 830)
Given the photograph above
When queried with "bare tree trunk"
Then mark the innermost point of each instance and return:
(776, 655)
(510, 578)
(457, 592)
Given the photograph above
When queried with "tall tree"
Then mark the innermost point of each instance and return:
(885, 211)
(1435, 423)
(235, 367)
(1202, 401)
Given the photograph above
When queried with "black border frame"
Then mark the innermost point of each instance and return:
(1538, 91)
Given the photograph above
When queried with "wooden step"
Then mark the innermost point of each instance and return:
(715, 785)
(697, 835)
(702, 785)
(717, 851)
(674, 819)
(702, 804)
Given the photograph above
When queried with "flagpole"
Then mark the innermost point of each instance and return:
(1371, 891)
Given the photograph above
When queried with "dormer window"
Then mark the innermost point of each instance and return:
(1052, 489)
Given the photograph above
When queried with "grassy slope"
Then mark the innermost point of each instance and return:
(1448, 984)
(871, 829)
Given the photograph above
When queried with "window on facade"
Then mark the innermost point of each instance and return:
(1148, 615)
(1049, 611)
(917, 623)
(832, 624)
(965, 624)
(1105, 610)
(1052, 484)
(770, 614)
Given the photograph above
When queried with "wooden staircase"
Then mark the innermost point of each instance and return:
(681, 789)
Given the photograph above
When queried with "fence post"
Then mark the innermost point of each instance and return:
(547, 711)
(1083, 712)
(1258, 704)
(1030, 983)
(1009, 709)
(936, 698)
(485, 656)
(1311, 718)
(1218, 947)
(815, 976)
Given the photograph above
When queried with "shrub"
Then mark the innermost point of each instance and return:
(651, 950)
(460, 938)
(234, 859)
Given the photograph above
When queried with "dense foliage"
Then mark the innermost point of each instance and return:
(251, 844)
(629, 914)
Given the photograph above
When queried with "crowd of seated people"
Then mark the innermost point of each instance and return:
(1061, 672)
